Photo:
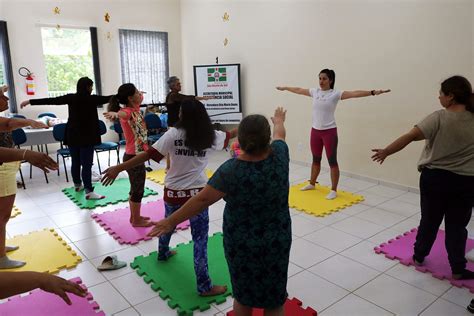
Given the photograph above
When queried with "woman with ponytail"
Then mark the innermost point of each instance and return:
(324, 130)
(188, 144)
(447, 173)
(135, 133)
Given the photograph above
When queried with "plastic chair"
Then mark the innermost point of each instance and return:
(18, 116)
(46, 114)
(105, 146)
(19, 138)
(118, 129)
(59, 134)
(153, 125)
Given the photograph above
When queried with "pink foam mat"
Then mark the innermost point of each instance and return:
(117, 224)
(39, 302)
(401, 249)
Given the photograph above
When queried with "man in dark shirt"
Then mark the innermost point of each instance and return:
(174, 99)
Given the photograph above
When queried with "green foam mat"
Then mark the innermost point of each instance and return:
(176, 280)
(115, 193)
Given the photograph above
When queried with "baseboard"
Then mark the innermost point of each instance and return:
(365, 178)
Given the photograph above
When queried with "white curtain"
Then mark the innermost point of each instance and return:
(144, 59)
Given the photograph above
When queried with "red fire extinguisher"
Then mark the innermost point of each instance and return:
(29, 78)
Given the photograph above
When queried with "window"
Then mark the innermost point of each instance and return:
(3, 79)
(68, 57)
(144, 61)
(6, 72)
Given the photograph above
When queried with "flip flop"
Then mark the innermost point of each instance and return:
(111, 263)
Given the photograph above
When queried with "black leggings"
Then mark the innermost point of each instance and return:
(447, 195)
(137, 176)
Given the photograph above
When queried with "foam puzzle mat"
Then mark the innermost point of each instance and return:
(117, 224)
(41, 303)
(314, 201)
(115, 193)
(15, 212)
(175, 278)
(292, 308)
(158, 176)
(43, 251)
(401, 249)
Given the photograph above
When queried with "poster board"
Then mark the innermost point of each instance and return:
(223, 83)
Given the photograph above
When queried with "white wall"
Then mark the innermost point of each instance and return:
(407, 46)
(24, 18)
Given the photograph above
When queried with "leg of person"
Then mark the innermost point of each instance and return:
(199, 232)
(458, 215)
(330, 141)
(316, 143)
(87, 158)
(6, 205)
(164, 251)
(136, 176)
(433, 204)
(241, 310)
(76, 167)
(8, 188)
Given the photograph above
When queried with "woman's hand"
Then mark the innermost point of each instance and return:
(111, 116)
(281, 88)
(109, 175)
(162, 227)
(59, 286)
(40, 160)
(378, 92)
(24, 103)
(37, 124)
(379, 156)
(279, 116)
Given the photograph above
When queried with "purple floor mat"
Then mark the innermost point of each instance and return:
(401, 249)
(117, 224)
(39, 302)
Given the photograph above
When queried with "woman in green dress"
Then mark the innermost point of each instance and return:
(257, 223)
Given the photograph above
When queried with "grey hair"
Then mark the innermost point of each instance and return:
(171, 81)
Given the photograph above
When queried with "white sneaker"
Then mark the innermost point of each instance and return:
(95, 177)
(94, 196)
(308, 187)
(332, 195)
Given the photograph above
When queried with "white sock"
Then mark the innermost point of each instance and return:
(308, 187)
(94, 196)
(332, 195)
(79, 187)
(6, 263)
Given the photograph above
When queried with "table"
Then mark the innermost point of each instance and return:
(39, 136)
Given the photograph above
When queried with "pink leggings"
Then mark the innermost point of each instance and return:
(328, 139)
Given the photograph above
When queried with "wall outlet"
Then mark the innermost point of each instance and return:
(300, 146)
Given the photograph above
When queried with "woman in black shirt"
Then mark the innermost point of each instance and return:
(82, 131)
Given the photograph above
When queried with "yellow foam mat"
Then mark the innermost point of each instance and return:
(314, 201)
(43, 251)
(158, 176)
(15, 212)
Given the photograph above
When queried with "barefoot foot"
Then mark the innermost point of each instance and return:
(215, 290)
(141, 223)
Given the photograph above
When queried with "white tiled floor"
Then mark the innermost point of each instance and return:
(333, 267)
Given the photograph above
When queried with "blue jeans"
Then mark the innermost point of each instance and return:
(199, 232)
(82, 157)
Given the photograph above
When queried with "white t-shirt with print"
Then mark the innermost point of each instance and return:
(187, 166)
(324, 107)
